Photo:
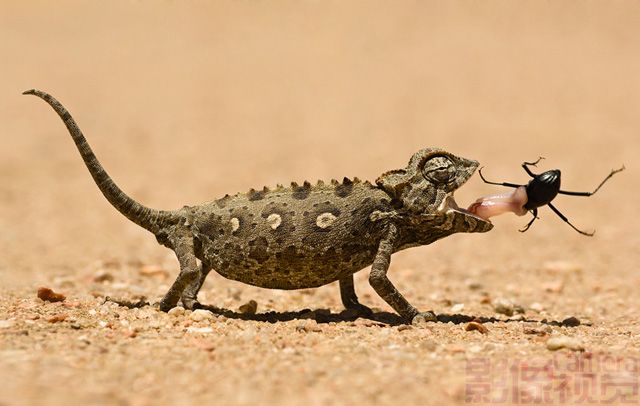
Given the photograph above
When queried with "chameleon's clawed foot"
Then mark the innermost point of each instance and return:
(356, 310)
(191, 303)
(423, 317)
(167, 304)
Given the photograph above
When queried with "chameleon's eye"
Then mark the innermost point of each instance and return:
(438, 170)
(439, 175)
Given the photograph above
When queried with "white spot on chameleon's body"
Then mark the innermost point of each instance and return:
(235, 224)
(325, 220)
(274, 220)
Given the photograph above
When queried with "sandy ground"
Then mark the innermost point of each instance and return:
(186, 101)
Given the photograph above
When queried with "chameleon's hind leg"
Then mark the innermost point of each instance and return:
(189, 269)
(190, 293)
(349, 297)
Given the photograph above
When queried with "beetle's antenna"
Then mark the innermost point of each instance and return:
(525, 166)
(540, 158)
(496, 183)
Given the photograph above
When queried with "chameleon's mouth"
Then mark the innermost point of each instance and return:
(449, 204)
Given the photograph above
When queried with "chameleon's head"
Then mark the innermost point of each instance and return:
(426, 187)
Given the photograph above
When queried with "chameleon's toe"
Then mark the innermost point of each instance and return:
(191, 304)
(423, 317)
(165, 306)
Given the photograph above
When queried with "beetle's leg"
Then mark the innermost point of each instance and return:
(525, 166)
(613, 172)
(556, 211)
(535, 217)
(496, 183)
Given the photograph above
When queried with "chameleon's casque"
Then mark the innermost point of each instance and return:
(303, 236)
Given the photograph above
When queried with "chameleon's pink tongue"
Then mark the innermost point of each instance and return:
(490, 206)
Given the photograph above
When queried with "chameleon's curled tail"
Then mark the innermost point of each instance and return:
(145, 217)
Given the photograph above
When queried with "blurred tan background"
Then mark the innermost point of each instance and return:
(186, 101)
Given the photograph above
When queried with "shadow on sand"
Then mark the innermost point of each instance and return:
(326, 316)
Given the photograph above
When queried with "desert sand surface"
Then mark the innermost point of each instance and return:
(184, 102)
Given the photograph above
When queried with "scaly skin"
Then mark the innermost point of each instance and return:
(303, 236)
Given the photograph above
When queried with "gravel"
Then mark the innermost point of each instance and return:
(560, 342)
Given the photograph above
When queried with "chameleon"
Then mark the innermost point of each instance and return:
(303, 235)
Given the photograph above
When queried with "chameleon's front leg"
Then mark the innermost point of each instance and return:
(383, 286)
(189, 270)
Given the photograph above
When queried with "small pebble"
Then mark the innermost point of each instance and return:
(561, 266)
(201, 330)
(559, 342)
(84, 339)
(554, 286)
(571, 322)
(308, 326)
(455, 349)
(102, 276)
(404, 327)
(176, 311)
(6, 323)
(473, 325)
(423, 318)
(429, 345)
(458, 307)
(57, 318)
(475, 349)
(201, 314)
(473, 285)
(248, 334)
(536, 307)
(49, 295)
(503, 306)
(251, 307)
(366, 323)
(203, 345)
(130, 333)
(539, 330)
(64, 282)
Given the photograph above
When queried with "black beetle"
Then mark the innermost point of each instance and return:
(543, 188)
